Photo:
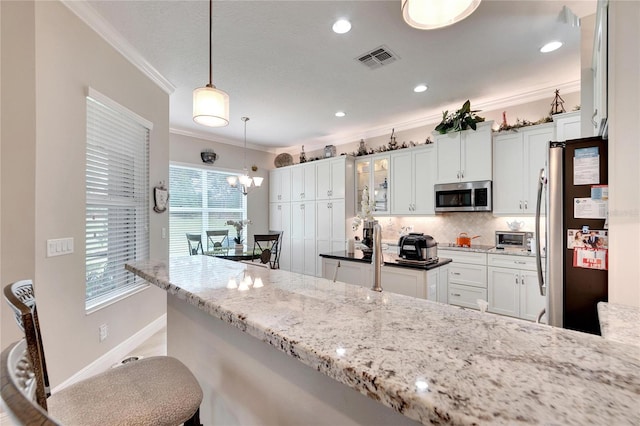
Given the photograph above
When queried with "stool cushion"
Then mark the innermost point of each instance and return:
(151, 391)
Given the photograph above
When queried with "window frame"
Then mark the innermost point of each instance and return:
(105, 206)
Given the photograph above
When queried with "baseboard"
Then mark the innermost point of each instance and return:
(116, 354)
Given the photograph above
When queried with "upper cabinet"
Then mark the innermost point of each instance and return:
(333, 177)
(464, 156)
(303, 182)
(518, 158)
(280, 185)
(372, 172)
(567, 126)
(599, 67)
(412, 179)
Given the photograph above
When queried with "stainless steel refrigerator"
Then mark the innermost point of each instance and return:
(570, 179)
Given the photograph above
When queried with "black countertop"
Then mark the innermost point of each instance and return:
(389, 259)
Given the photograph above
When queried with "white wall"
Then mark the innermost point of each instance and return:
(186, 150)
(624, 152)
(43, 154)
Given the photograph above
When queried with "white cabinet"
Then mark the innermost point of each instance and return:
(599, 67)
(437, 279)
(348, 272)
(513, 286)
(467, 277)
(330, 227)
(567, 126)
(334, 178)
(518, 158)
(412, 179)
(407, 281)
(372, 172)
(464, 156)
(280, 220)
(303, 242)
(280, 185)
(303, 182)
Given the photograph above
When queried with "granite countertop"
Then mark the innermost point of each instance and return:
(432, 362)
(388, 257)
(619, 323)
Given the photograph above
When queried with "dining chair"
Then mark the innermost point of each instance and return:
(195, 244)
(277, 259)
(217, 240)
(157, 390)
(267, 246)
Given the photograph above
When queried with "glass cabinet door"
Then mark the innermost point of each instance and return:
(373, 173)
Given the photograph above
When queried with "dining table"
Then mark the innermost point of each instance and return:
(231, 253)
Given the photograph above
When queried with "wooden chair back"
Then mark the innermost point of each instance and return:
(267, 246)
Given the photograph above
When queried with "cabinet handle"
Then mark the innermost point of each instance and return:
(330, 205)
(526, 204)
(522, 281)
(301, 206)
(462, 174)
(595, 124)
(455, 273)
(517, 281)
(302, 195)
(455, 294)
(520, 204)
(519, 262)
(279, 207)
(458, 174)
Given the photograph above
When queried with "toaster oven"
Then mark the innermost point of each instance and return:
(513, 240)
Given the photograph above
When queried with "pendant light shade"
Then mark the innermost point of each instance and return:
(210, 105)
(432, 14)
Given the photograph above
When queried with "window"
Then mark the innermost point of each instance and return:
(201, 200)
(117, 200)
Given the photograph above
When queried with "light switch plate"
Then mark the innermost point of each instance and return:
(59, 246)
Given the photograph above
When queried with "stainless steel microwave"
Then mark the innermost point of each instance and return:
(463, 196)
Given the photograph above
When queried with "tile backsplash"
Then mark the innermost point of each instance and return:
(446, 227)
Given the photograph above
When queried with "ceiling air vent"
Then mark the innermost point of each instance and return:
(377, 57)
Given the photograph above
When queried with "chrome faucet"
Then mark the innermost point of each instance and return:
(377, 257)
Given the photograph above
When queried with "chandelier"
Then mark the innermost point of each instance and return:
(432, 14)
(246, 182)
(210, 105)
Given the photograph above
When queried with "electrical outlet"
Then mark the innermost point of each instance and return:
(103, 331)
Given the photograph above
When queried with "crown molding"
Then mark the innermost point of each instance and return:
(218, 139)
(435, 116)
(97, 23)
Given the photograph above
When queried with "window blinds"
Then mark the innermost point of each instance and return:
(117, 200)
(201, 200)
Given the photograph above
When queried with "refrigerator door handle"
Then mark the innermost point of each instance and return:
(541, 284)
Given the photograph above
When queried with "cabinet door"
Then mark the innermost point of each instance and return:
(507, 174)
(284, 210)
(338, 222)
(310, 260)
(297, 255)
(535, 143)
(443, 284)
(338, 176)
(424, 177)
(504, 291)
(404, 281)
(433, 282)
(468, 275)
(323, 180)
(567, 126)
(323, 220)
(448, 157)
(531, 302)
(476, 154)
(309, 187)
(463, 295)
(401, 183)
(297, 220)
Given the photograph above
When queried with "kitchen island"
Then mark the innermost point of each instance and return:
(284, 348)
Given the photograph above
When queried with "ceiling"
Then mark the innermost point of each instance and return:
(284, 67)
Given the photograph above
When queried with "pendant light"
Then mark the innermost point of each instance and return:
(210, 105)
(247, 183)
(432, 14)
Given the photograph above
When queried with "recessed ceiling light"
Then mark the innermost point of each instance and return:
(551, 46)
(341, 26)
(420, 88)
(340, 114)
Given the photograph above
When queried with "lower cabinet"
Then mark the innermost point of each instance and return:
(467, 278)
(408, 281)
(513, 287)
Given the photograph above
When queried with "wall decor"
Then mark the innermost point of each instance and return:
(208, 156)
(160, 198)
(282, 160)
(329, 151)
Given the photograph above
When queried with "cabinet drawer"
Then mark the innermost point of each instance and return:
(458, 256)
(527, 263)
(473, 275)
(462, 295)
